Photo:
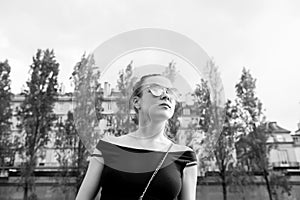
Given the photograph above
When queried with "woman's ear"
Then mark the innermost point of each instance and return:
(136, 103)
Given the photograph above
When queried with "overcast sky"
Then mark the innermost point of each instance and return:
(263, 36)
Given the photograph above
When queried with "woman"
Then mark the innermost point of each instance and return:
(123, 166)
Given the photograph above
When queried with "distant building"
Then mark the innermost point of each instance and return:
(286, 155)
(296, 138)
(61, 108)
(283, 154)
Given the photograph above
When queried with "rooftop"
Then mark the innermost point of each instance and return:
(273, 127)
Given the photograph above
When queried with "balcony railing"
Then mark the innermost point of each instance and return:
(286, 165)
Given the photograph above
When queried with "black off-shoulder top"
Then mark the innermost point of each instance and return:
(127, 171)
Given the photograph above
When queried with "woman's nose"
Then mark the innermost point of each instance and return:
(165, 95)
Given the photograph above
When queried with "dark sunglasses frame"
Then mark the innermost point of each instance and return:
(172, 92)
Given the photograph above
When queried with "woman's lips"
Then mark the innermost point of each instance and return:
(165, 105)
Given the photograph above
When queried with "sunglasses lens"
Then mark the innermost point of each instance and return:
(158, 91)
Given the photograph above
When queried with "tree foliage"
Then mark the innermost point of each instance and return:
(173, 124)
(224, 152)
(209, 102)
(252, 148)
(246, 97)
(250, 113)
(198, 128)
(6, 143)
(124, 120)
(66, 147)
(171, 72)
(203, 102)
(87, 104)
(36, 114)
(87, 101)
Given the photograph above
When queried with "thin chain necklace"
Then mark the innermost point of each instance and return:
(144, 138)
(137, 138)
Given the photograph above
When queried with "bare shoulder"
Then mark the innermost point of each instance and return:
(110, 138)
(120, 140)
(180, 147)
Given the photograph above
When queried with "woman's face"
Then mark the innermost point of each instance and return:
(156, 107)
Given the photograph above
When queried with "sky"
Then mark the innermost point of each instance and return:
(260, 35)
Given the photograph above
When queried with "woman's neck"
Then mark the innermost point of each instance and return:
(150, 130)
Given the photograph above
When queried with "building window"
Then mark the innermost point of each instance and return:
(280, 138)
(283, 156)
(109, 121)
(186, 111)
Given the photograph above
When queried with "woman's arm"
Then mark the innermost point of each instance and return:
(189, 183)
(91, 182)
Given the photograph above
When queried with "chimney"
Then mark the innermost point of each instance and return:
(62, 89)
(106, 89)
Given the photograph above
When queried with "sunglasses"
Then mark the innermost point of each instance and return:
(158, 90)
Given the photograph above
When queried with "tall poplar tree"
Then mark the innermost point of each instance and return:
(86, 113)
(210, 103)
(219, 125)
(231, 174)
(6, 145)
(125, 121)
(246, 97)
(252, 148)
(36, 115)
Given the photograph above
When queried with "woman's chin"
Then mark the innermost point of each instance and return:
(162, 116)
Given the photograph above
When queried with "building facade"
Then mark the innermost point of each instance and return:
(284, 155)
